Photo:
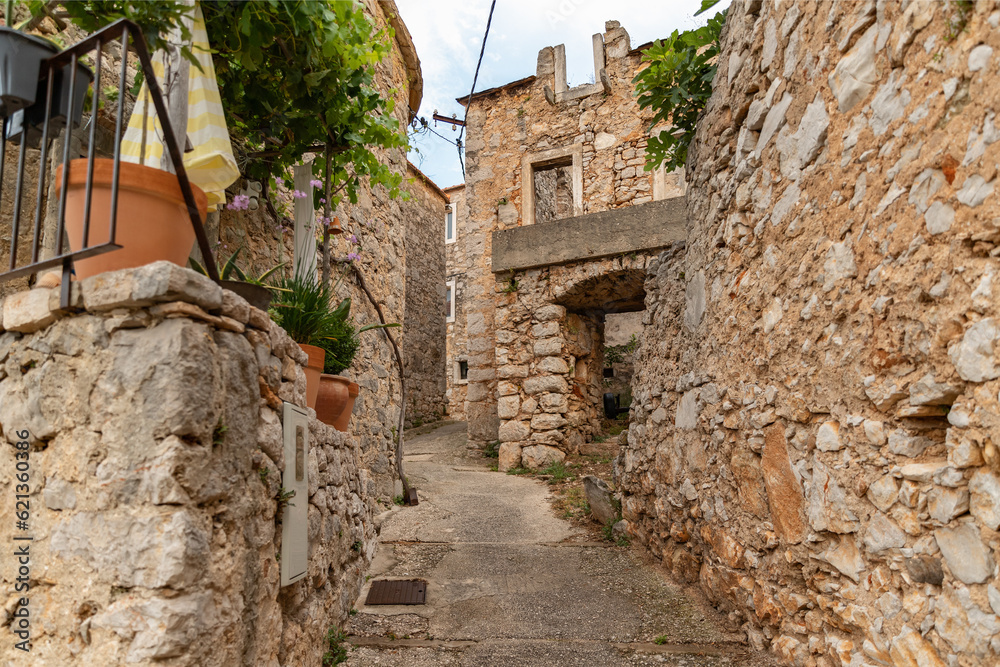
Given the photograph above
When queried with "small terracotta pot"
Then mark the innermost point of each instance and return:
(333, 397)
(344, 420)
(317, 356)
(152, 224)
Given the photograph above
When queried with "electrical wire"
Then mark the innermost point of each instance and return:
(475, 78)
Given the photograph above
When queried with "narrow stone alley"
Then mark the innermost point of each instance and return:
(509, 583)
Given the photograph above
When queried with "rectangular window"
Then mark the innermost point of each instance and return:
(449, 225)
(449, 300)
(463, 370)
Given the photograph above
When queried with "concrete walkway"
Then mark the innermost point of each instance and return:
(510, 584)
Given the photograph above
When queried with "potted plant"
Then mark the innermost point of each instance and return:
(301, 306)
(254, 289)
(335, 402)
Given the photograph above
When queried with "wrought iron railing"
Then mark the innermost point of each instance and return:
(53, 71)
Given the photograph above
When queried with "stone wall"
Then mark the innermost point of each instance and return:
(814, 433)
(458, 261)
(550, 355)
(596, 137)
(154, 471)
(424, 328)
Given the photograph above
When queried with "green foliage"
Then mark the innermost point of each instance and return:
(520, 471)
(299, 74)
(336, 652)
(616, 354)
(219, 433)
(398, 500)
(677, 85)
(231, 271)
(512, 285)
(292, 75)
(302, 307)
(558, 472)
(284, 498)
(492, 450)
(155, 18)
(661, 640)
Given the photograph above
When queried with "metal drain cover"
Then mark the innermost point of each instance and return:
(409, 591)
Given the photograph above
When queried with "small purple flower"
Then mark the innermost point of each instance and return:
(239, 203)
(322, 200)
(352, 238)
(298, 194)
(316, 183)
(351, 256)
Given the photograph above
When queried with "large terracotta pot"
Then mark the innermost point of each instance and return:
(153, 222)
(332, 399)
(314, 369)
(344, 420)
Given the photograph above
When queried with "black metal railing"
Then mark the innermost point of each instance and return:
(70, 99)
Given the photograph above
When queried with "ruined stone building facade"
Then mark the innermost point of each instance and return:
(560, 220)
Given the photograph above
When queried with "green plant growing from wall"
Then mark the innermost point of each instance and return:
(512, 285)
(677, 85)
(616, 354)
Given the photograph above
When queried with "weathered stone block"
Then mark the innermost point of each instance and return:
(599, 498)
(28, 311)
(510, 456)
(514, 431)
(165, 281)
(126, 549)
(546, 383)
(541, 456)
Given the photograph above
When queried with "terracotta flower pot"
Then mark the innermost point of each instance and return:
(314, 369)
(333, 397)
(152, 224)
(344, 420)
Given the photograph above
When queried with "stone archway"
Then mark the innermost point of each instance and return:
(550, 354)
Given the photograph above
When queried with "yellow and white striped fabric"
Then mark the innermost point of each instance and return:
(211, 165)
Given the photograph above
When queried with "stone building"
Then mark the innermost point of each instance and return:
(424, 332)
(153, 419)
(560, 221)
(458, 240)
(384, 227)
(815, 425)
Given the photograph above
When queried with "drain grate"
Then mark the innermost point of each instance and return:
(409, 591)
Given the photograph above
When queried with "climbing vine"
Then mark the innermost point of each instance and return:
(676, 85)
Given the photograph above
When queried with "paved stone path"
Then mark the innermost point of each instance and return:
(509, 583)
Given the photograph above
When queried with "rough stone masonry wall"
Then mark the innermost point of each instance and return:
(379, 224)
(156, 449)
(550, 356)
(816, 418)
(505, 124)
(457, 263)
(424, 328)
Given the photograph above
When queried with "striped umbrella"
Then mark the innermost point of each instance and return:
(211, 165)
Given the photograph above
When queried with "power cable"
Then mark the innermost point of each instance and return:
(475, 78)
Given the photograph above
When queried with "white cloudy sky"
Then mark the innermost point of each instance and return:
(448, 35)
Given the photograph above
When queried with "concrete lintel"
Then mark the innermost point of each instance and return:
(576, 92)
(642, 228)
(599, 63)
(560, 52)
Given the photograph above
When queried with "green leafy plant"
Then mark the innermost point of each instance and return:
(231, 271)
(492, 450)
(661, 640)
(336, 652)
(512, 285)
(302, 307)
(677, 85)
(558, 472)
(616, 354)
(520, 471)
(284, 498)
